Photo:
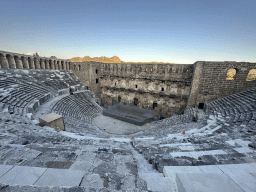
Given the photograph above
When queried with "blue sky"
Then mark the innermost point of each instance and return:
(175, 31)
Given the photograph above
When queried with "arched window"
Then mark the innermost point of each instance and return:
(231, 74)
(251, 75)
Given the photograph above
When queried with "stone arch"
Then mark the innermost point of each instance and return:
(59, 64)
(25, 62)
(31, 63)
(62, 65)
(3, 62)
(11, 61)
(18, 62)
(231, 74)
(251, 75)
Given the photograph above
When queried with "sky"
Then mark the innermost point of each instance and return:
(174, 31)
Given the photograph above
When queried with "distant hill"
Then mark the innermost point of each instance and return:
(102, 59)
(113, 59)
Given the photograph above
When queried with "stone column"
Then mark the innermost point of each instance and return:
(11, 61)
(4, 62)
(47, 64)
(37, 64)
(31, 63)
(60, 67)
(194, 88)
(64, 65)
(52, 65)
(25, 63)
(18, 63)
(42, 64)
(55, 65)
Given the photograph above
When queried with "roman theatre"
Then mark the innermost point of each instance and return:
(90, 126)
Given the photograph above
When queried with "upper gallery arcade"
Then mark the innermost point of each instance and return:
(9, 60)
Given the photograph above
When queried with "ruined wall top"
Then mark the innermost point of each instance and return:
(12, 54)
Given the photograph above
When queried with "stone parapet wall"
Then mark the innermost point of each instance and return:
(210, 81)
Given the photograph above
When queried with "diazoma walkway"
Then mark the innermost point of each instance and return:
(215, 153)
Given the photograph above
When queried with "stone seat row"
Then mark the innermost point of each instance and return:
(51, 80)
(238, 108)
(79, 105)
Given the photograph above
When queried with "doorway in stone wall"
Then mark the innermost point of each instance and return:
(135, 101)
(119, 99)
(154, 105)
(201, 106)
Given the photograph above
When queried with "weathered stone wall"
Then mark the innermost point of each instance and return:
(166, 85)
(210, 81)
(88, 73)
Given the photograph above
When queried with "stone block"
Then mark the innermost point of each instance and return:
(4, 169)
(93, 181)
(243, 150)
(163, 184)
(210, 169)
(60, 177)
(22, 175)
(53, 120)
(187, 148)
(170, 170)
(180, 154)
(210, 182)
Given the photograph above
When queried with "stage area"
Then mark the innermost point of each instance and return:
(116, 126)
(129, 114)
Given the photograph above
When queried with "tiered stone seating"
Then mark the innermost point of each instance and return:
(236, 109)
(19, 88)
(79, 106)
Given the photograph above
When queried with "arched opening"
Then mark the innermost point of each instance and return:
(55, 65)
(201, 106)
(231, 74)
(135, 101)
(3, 62)
(251, 75)
(136, 86)
(154, 105)
(79, 67)
(115, 83)
(51, 64)
(96, 71)
(162, 89)
(119, 98)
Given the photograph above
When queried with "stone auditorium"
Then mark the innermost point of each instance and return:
(109, 127)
